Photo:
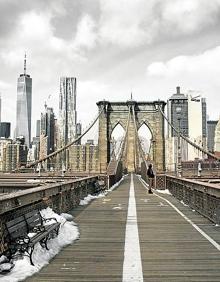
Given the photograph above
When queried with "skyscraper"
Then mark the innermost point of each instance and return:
(24, 106)
(48, 128)
(5, 129)
(38, 128)
(211, 125)
(67, 110)
(217, 139)
(176, 101)
(186, 113)
(0, 107)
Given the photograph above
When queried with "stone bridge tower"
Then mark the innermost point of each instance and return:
(145, 113)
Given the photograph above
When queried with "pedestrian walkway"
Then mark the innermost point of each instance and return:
(131, 235)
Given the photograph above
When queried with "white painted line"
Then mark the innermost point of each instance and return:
(132, 266)
(213, 242)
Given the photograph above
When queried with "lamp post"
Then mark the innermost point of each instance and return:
(179, 153)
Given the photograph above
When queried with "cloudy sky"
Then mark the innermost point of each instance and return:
(113, 47)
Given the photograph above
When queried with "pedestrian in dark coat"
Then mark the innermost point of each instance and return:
(150, 174)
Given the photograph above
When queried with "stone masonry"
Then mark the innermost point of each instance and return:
(145, 113)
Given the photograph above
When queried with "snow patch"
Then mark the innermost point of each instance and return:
(33, 181)
(6, 267)
(106, 200)
(166, 191)
(68, 233)
(185, 205)
(145, 200)
(3, 259)
(90, 197)
(119, 207)
(67, 216)
(116, 184)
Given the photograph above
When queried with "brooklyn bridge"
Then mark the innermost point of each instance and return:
(125, 233)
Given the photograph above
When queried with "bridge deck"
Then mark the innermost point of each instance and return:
(171, 248)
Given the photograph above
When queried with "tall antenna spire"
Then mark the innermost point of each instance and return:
(25, 63)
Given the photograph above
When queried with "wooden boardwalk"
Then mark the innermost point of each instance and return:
(171, 248)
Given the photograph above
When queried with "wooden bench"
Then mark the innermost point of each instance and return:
(27, 230)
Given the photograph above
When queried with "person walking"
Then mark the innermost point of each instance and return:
(150, 174)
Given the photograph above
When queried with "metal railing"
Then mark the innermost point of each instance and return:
(200, 196)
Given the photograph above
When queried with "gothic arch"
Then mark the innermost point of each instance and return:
(145, 112)
(148, 126)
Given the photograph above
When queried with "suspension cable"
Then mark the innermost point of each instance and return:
(122, 143)
(125, 136)
(138, 139)
(66, 146)
(187, 139)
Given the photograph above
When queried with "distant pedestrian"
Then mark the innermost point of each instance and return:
(150, 174)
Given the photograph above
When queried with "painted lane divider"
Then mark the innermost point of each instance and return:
(132, 266)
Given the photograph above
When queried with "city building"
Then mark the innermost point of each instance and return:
(197, 123)
(217, 139)
(38, 128)
(24, 106)
(47, 132)
(0, 107)
(56, 134)
(187, 114)
(13, 154)
(43, 146)
(78, 132)
(5, 129)
(211, 125)
(3, 144)
(77, 158)
(67, 110)
(92, 154)
(47, 128)
(84, 158)
(34, 151)
(67, 117)
(176, 101)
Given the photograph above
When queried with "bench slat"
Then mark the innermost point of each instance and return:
(18, 229)
(14, 221)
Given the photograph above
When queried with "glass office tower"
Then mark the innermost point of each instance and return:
(24, 106)
(67, 110)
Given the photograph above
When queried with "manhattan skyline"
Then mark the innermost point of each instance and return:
(113, 48)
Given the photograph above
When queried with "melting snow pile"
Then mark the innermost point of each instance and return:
(89, 198)
(5, 265)
(166, 191)
(67, 234)
(184, 203)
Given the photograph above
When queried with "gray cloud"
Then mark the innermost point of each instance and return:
(134, 23)
(106, 44)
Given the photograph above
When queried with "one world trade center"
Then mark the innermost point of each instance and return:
(24, 106)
